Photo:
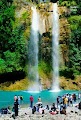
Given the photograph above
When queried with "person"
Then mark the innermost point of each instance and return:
(57, 101)
(61, 106)
(4, 110)
(63, 110)
(79, 106)
(18, 99)
(68, 97)
(47, 107)
(41, 110)
(33, 109)
(65, 101)
(9, 111)
(39, 99)
(71, 100)
(37, 107)
(31, 101)
(21, 99)
(16, 107)
(15, 98)
(74, 96)
(53, 108)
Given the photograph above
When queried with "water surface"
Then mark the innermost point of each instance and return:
(7, 97)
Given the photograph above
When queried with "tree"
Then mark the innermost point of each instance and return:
(75, 46)
(13, 51)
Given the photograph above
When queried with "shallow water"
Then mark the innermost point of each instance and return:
(48, 97)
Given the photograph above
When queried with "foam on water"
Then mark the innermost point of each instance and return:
(57, 90)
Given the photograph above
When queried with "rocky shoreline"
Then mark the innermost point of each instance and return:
(72, 113)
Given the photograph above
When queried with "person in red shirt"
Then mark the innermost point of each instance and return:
(31, 101)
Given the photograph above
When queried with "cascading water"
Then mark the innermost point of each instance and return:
(33, 52)
(55, 48)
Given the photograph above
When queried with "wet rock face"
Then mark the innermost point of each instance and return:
(45, 12)
(45, 17)
(45, 27)
(46, 45)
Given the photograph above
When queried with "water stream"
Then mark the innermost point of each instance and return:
(33, 52)
(55, 48)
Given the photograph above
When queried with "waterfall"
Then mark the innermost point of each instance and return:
(33, 52)
(55, 48)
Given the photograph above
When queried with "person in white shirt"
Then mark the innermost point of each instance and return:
(15, 98)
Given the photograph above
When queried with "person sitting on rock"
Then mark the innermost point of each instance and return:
(53, 108)
(47, 107)
(79, 106)
(41, 110)
(62, 110)
(33, 109)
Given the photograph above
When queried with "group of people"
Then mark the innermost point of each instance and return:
(62, 103)
(19, 98)
(68, 99)
(32, 100)
(38, 106)
(17, 101)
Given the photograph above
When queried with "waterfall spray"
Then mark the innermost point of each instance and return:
(55, 48)
(33, 52)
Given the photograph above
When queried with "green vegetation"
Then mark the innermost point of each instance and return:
(72, 66)
(14, 36)
(15, 22)
(75, 44)
(6, 20)
(69, 3)
(13, 50)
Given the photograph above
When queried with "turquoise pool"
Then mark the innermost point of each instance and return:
(7, 97)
